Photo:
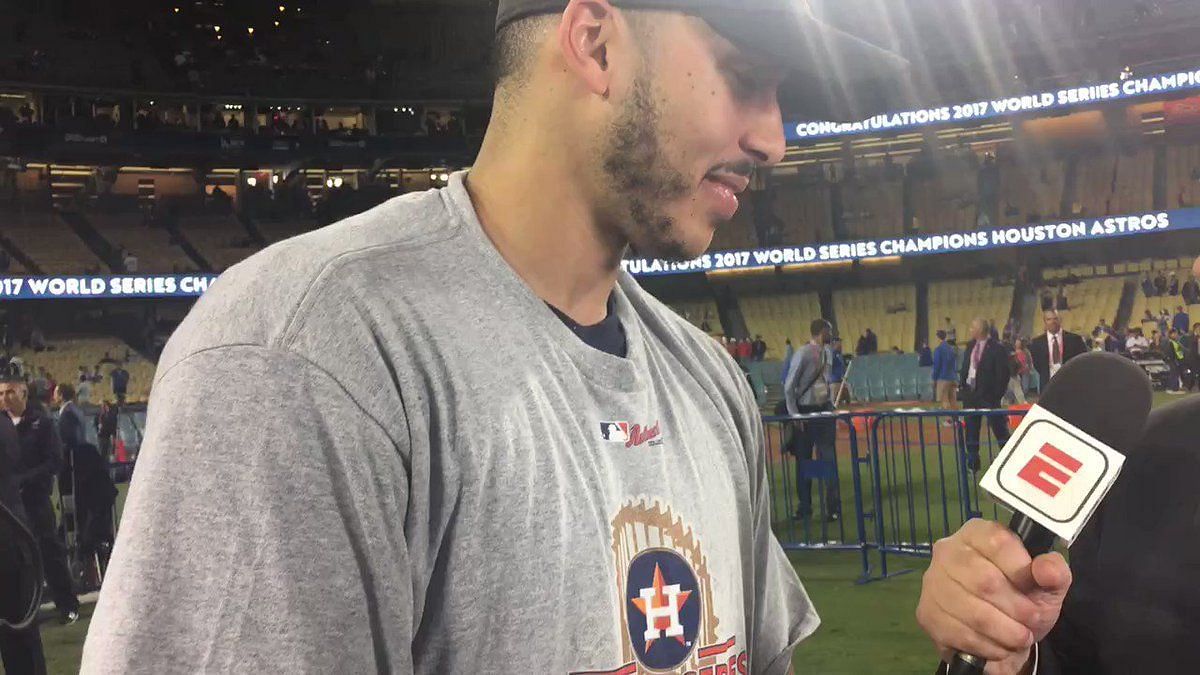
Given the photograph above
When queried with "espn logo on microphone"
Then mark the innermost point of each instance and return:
(1053, 473)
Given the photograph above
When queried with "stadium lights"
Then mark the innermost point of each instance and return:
(251, 181)
(275, 179)
(250, 30)
(282, 8)
(176, 10)
(444, 177)
(337, 182)
(328, 182)
(277, 24)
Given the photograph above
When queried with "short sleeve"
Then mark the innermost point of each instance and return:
(264, 529)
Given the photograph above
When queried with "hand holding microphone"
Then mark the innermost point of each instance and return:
(991, 592)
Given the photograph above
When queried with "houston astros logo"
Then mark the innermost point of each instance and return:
(663, 608)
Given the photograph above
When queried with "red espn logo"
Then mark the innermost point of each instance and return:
(1050, 470)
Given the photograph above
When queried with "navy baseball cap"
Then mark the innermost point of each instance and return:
(785, 30)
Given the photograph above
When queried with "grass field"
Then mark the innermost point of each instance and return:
(866, 628)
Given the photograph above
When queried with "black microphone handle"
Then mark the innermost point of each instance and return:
(1037, 540)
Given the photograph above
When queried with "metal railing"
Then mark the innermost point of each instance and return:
(909, 474)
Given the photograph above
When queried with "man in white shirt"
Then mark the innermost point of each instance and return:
(1137, 344)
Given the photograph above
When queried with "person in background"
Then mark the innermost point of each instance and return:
(951, 332)
(864, 345)
(106, 428)
(758, 349)
(1191, 349)
(984, 378)
(1190, 291)
(806, 392)
(787, 360)
(120, 383)
(1148, 288)
(1173, 354)
(705, 326)
(1018, 367)
(1164, 321)
(41, 460)
(1173, 285)
(1181, 321)
(1052, 349)
(872, 342)
(1136, 344)
(945, 375)
(97, 376)
(837, 373)
(1010, 331)
(83, 388)
(1047, 299)
(72, 429)
(21, 652)
(1160, 284)
(1060, 300)
(924, 355)
(745, 352)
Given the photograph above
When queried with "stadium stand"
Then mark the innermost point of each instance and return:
(68, 353)
(738, 233)
(1031, 188)
(1183, 175)
(1157, 303)
(152, 246)
(945, 194)
(1095, 180)
(48, 241)
(889, 377)
(890, 312)
(962, 301)
(1091, 300)
(781, 317)
(806, 212)
(220, 239)
(1135, 182)
(697, 312)
(874, 203)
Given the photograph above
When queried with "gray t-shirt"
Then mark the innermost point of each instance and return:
(372, 448)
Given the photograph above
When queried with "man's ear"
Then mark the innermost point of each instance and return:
(585, 37)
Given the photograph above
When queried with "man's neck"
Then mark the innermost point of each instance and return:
(17, 414)
(533, 205)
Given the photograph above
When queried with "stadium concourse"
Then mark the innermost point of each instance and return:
(1027, 175)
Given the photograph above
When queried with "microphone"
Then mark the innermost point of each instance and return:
(1066, 454)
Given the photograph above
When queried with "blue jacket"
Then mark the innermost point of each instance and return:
(944, 367)
(1180, 323)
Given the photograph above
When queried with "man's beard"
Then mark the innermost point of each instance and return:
(642, 180)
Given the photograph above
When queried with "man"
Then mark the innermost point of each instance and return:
(808, 391)
(1136, 344)
(41, 460)
(72, 427)
(21, 651)
(787, 360)
(872, 342)
(945, 374)
(983, 380)
(1160, 284)
(1181, 321)
(380, 448)
(951, 332)
(837, 373)
(1190, 291)
(745, 351)
(106, 428)
(924, 355)
(1173, 285)
(864, 344)
(1052, 349)
(759, 348)
(120, 383)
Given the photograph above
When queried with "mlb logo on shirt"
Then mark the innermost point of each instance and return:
(614, 432)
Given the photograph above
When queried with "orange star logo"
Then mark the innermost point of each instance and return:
(660, 600)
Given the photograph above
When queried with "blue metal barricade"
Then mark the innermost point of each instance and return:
(912, 478)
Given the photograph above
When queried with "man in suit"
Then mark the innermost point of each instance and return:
(20, 650)
(41, 459)
(1054, 348)
(983, 381)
